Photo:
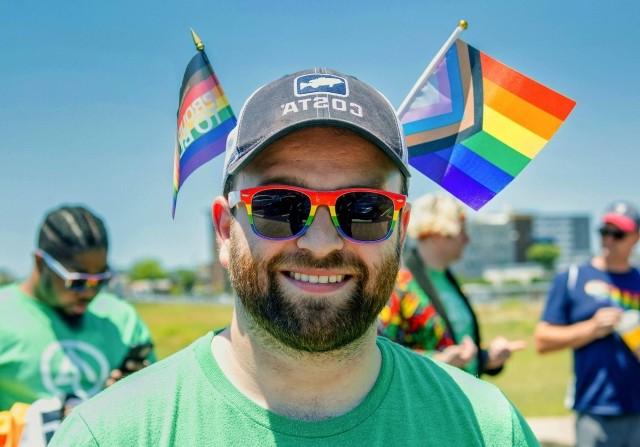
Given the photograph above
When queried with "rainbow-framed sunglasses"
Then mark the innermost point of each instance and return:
(75, 281)
(281, 212)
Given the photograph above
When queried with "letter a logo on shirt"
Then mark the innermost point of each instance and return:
(73, 367)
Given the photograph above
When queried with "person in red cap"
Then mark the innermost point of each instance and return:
(583, 312)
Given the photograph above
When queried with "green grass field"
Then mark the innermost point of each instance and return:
(174, 326)
(536, 384)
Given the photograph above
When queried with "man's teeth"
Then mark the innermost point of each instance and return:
(315, 279)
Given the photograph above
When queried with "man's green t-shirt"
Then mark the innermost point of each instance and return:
(186, 400)
(457, 312)
(41, 356)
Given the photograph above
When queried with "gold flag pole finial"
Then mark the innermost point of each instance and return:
(463, 24)
(197, 41)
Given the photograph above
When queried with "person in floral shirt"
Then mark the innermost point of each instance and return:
(411, 319)
(428, 312)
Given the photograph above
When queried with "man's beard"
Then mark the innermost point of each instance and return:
(306, 322)
(73, 321)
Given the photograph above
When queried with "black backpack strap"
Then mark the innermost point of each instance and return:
(417, 268)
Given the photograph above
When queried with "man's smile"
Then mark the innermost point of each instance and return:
(316, 280)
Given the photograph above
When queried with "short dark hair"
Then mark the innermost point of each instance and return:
(71, 229)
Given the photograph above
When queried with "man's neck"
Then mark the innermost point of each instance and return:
(611, 263)
(30, 285)
(298, 385)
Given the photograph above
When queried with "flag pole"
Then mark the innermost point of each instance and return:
(462, 25)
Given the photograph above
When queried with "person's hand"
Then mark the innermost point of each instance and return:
(130, 367)
(500, 349)
(604, 321)
(458, 355)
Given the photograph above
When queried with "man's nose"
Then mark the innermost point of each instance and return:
(322, 237)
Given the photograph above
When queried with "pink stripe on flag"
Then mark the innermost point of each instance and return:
(426, 112)
(442, 75)
(440, 83)
(198, 90)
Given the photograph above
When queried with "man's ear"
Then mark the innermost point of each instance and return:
(222, 220)
(404, 222)
(38, 262)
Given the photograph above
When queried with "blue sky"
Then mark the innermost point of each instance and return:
(88, 96)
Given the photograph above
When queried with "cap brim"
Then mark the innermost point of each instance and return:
(625, 223)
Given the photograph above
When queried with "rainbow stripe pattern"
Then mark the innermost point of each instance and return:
(476, 124)
(627, 299)
(205, 118)
(315, 199)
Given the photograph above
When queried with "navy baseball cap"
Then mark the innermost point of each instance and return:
(314, 97)
(622, 215)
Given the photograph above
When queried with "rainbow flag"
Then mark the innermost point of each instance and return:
(476, 123)
(205, 118)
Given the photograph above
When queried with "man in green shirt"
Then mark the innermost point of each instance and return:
(310, 226)
(60, 337)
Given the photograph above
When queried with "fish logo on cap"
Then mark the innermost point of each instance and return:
(312, 84)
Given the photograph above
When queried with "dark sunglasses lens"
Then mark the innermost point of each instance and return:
(614, 233)
(280, 213)
(80, 285)
(365, 216)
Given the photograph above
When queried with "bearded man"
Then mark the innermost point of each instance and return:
(310, 225)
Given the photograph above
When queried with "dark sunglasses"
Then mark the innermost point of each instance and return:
(285, 212)
(615, 233)
(74, 281)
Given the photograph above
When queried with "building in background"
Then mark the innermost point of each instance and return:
(523, 235)
(500, 240)
(492, 244)
(571, 233)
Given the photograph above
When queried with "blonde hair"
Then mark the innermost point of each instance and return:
(435, 214)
